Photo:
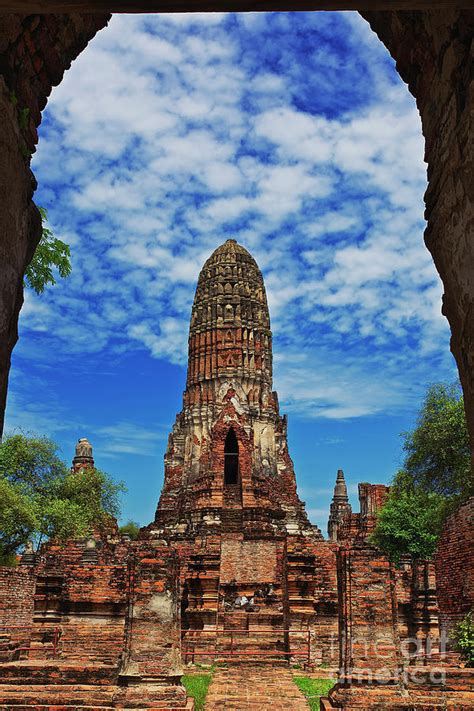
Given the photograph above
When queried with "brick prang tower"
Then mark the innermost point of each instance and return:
(227, 466)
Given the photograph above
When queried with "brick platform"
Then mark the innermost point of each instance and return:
(254, 688)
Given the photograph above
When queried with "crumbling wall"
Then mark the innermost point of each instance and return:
(454, 562)
(17, 587)
(93, 610)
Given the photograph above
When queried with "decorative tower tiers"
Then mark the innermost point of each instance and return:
(227, 466)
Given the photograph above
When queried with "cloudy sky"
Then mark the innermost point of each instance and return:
(290, 132)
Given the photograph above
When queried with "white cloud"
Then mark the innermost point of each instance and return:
(297, 135)
(126, 437)
(170, 343)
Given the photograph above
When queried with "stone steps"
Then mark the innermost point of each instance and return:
(39, 672)
(65, 707)
(77, 697)
(391, 698)
(254, 687)
(56, 694)
(239, 638)
(97, 643)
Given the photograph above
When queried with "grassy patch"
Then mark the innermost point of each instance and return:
(313, 689)
(196, 686)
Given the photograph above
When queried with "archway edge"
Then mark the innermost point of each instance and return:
(157, 6)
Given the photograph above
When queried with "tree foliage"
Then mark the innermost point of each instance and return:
(31, 462)
(436, 477)
(131, 528)
(409, 523)
(51, 253)
(463, 636)
(41, 498)
(18, 519)
(438, 457)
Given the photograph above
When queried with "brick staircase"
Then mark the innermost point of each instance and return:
(305, 583)
(83, 697)
(202, 581)
(254, 687)
(36, 642)
(240, 636)
(65, 686)
(250, 635)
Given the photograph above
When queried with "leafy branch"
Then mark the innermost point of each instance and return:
(51, 253)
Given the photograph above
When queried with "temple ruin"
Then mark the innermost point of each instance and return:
(231, 569)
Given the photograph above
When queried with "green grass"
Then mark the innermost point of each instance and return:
(196, 686)
(313, 689)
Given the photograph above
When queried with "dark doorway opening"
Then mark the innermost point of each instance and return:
(231, 459)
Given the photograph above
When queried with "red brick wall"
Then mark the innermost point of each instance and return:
(250, 561)
(96, 584)
(312, 597)
(17, 587)
(93, 603)
(454, 562)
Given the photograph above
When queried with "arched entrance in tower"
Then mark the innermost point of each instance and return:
(231, 459)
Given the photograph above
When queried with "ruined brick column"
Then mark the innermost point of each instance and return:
(152, 642)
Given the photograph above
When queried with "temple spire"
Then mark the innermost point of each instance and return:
(83, 458)
(340, 490)
(229, 335)
(340, 506)
(228, 453)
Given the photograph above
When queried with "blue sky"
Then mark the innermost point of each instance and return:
(290, 132)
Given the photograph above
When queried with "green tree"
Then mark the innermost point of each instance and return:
(31, 462)
(463, 636)
(41, 498)
(51, 253)
(131, 528)
(438, 457)
(18, 520)
(409, 523)
(436, 477)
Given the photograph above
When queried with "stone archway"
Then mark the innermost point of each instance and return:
(432, 51)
